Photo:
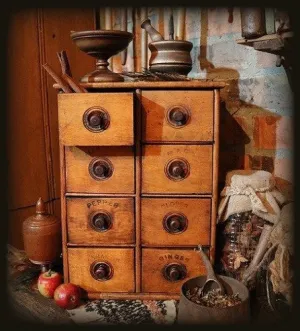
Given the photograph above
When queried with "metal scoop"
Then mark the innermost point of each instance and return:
(211, 282)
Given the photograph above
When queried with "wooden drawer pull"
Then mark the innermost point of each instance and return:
(101, 221)
(96, 119)
(174, 272)
(101, 271)
(175, 223)
(177, 169)
(100, 169)
(178, 116)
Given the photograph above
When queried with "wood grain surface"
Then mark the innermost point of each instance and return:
(156, 157)
(27, 173)
(81, 210)
(78, 178)
(34, 37)
(121, 260)
(193, 83)
(155, 119)
(56, 25)
(119, 106)
(196, 211)
(153, 262)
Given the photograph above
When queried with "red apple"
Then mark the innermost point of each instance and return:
(67, 296)
(48, 282)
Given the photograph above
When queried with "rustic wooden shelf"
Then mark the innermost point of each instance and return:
(193, 83)
(271, 43)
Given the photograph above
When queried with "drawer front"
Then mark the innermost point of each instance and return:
(87, 119)
(177, 169)
(165, 270)
(175, 222)
(100, 220)
(102, 269)
(177, 115)
(99, 169)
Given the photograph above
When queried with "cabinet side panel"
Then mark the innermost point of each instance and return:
(138, 183)
(215, 173)
(63, 212)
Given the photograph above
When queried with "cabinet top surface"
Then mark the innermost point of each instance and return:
(203, 83)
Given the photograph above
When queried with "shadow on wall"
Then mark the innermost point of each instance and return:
(237, 150)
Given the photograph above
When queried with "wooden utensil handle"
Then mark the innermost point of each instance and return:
(57, 78)
(76, 87)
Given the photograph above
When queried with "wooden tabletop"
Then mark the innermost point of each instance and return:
(189, 84)
(194, 83)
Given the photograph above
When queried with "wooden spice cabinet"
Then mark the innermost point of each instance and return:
(139, 174)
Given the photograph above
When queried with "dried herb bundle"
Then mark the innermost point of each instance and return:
(213, 298)
(148, 75)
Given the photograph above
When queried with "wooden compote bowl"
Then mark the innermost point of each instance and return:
(102, 44)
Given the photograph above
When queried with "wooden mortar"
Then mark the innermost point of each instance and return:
(193, 313)
(171, 56)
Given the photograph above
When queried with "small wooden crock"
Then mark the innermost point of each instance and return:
(42, 236)
(193, 313)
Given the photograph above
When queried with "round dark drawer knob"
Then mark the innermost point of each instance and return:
(101, 221)
(175, 223)
(177, 169)
(178, 116)
(96, 119)
(101, 169)
(101, 271)
(174, 272)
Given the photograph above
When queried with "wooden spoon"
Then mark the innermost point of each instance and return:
(211, 282)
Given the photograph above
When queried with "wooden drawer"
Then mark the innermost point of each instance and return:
(100, 221)
(161, 165)
(175, 222)
(114, 266)
(177, 115)
(88, 119)
(160, 265)
(99, 169)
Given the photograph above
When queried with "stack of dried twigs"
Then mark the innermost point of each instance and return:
(148, 75)
(65, 81)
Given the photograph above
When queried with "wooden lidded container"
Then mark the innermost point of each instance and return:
(42, 236)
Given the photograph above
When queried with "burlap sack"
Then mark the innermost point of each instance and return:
(249, 190)
(281, 266)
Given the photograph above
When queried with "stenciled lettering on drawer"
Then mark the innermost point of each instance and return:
(100, 220)
(175, 221)
(164, 270)
(176, 151)
(177, 169)
(176, 203)
(173, 257)
(102, 202)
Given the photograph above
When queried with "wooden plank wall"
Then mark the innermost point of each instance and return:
(35, 35)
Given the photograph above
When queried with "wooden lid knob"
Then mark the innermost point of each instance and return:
(40, 206)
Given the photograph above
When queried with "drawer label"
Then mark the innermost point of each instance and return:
(174, 257)
(174, 204)
(176, 151)
(102, 202)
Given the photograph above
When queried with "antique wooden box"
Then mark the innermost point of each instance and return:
(139, 173)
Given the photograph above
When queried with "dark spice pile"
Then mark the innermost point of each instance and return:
(213, 298)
